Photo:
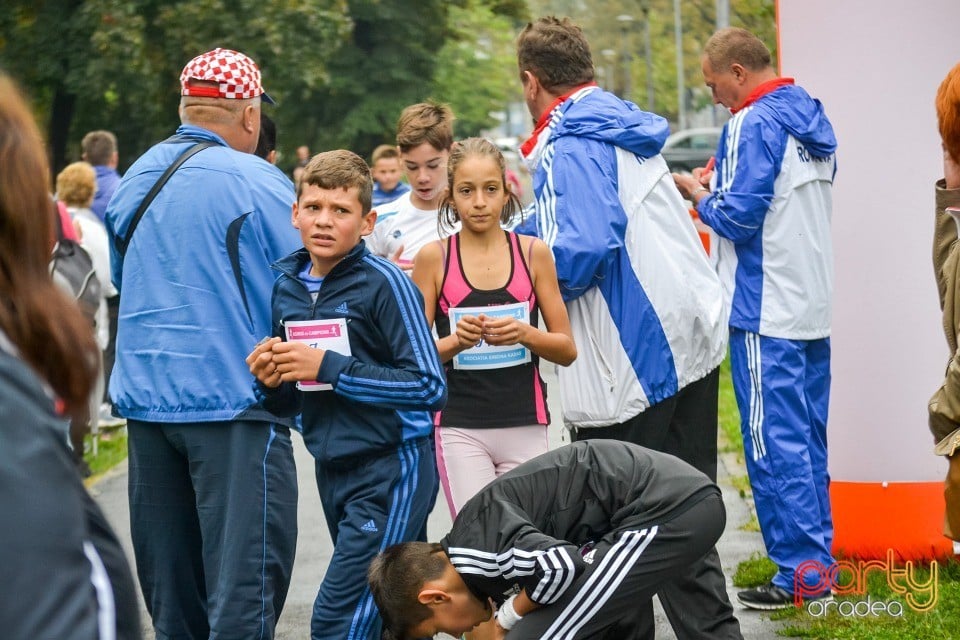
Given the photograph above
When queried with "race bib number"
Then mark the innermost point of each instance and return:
(329, 335)
(486, 356)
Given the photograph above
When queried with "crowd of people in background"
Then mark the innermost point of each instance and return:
(395, 309)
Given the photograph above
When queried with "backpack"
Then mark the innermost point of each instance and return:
(72, 270)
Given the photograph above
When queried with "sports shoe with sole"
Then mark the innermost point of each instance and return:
(770, 597)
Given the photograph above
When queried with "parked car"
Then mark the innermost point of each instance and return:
(691, 148)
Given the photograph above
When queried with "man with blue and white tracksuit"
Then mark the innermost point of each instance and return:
(645, 306)
(771, 205)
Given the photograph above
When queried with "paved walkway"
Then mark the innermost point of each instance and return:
(314, 546)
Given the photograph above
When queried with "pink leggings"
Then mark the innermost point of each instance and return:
(469, 459)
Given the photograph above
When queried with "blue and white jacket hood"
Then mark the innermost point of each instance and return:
(621, 124)
(608, 120)
(802, 116)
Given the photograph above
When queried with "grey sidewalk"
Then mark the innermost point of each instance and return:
(314, 546)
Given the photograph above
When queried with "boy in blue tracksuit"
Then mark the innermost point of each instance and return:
(368, 427)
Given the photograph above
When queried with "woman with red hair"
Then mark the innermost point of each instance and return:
(945, 403)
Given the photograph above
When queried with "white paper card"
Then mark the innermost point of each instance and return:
(329, 335)
(485, 356)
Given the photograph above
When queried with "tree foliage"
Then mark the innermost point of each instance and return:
(618, 44)
(340, 70)
(386, 62)
(476, 69)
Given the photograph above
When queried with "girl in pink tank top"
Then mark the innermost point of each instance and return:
(486, 289)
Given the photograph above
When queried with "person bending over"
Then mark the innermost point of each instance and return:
(563, 546)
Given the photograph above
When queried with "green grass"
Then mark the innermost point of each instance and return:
(730, 440)
(941, 622)
(111, 450)
(754, 572)
(751, 525)
(741, 484)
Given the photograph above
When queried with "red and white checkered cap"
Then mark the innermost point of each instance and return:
(237, 75)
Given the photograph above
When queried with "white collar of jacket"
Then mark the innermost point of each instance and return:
(548, 122)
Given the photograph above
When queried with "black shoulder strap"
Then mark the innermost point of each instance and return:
(123, 243)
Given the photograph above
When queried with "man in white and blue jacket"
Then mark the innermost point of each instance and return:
(645, 306)
(213, 486)
(770, 202)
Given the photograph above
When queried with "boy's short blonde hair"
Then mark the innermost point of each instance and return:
(77, 184)
(339, 169)
(430, 122)
(384, 152)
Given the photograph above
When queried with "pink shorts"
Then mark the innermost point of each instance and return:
(469, 459)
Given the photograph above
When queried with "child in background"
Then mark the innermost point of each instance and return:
(385, 167)
(370, 431)
(424, 137)
(496, 417)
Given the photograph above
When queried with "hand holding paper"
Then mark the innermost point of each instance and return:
(495, 334)
(301, 364)
(502, 330)
(261, 363)
(469, 331)
(703, 174)
(406, 265)
(297, 361)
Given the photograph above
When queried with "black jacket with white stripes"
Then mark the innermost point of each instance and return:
(525, 530)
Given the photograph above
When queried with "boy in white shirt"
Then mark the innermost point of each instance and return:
(424, 137)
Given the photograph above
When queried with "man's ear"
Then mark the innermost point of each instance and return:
(431, 596)
(294, 219)
(369, 221)
(529, 81)
(739, 72)
(251, 118)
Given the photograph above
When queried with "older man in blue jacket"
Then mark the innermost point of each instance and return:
(213, 488)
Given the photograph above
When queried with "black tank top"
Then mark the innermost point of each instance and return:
(489, 398)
